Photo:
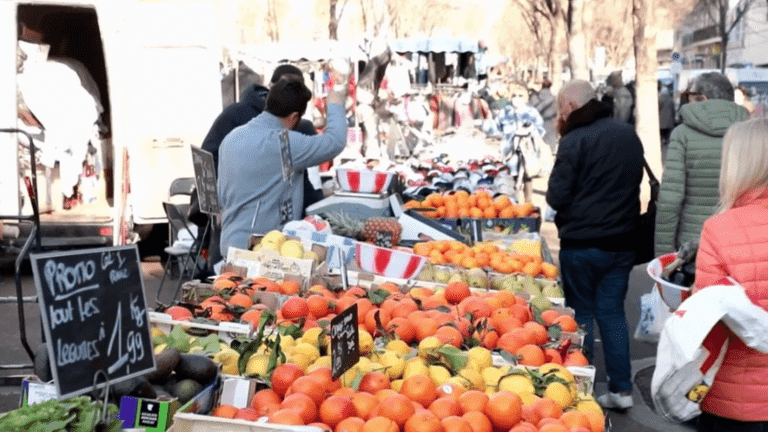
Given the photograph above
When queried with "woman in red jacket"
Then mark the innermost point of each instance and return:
(735, 243)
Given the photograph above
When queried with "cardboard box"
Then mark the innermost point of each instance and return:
(34, 391)
(158, 416)
(238, 391)
(333, 243)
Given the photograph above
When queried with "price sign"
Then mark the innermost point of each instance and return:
(345, 341)
(205, 180)
(94, 315)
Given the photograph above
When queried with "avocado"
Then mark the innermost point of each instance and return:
(197, 367)
(165, 362)
(186, 389)
(139, 387)
(162, 393)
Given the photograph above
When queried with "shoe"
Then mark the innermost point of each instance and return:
(615, 401)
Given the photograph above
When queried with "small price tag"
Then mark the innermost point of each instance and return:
(345, 341)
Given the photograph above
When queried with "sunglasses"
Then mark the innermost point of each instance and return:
(518, 96)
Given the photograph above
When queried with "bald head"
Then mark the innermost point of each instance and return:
(576, 93)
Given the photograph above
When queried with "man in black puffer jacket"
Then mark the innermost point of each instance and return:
(595, 189)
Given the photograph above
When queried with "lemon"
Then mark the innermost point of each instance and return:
(491, 376)
(366, 342)
(324, 361)
(364, 361)
(588, 405)
(312, 337)
(274, 237)
(481, 356)
(559, 393)
(415, 368)
(582, 396)
(399, 347)
(228, 359)
(300, 360)
(160, 348)
(308, 350)
(396, 385)
(373, 367)
(394, 364)
(349, 376)
(374, 357)
(257, 365)
(157, 332)
(474, 378)
(428, 345)
(224, 346)
(461, 382)
(287, 341)
(439, 374)
(561, 371)
(528, 398)
(292, 249)
(517, 384)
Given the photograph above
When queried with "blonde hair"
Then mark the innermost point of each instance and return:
(745, 160)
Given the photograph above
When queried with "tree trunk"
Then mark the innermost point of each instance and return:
(577, 41)
(646, 91)
(556, 71)
(333, 23)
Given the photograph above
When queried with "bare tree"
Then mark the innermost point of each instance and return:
(334, 18)
(273, 23)
(547, 18)
(577, 42)
(720, 13)
(646, 96)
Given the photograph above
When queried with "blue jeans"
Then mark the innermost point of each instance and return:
(595, 284)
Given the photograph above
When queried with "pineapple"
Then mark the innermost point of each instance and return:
(382, 231)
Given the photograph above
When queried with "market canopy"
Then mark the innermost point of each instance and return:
(435, 44)
(298, 51)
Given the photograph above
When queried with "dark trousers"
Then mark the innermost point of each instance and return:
(595, 284)
(712, 423)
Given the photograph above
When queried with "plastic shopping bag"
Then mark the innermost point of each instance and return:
(653, 314)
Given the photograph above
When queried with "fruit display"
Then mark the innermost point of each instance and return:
(448, 359)
(290, 248)
(383, 231)
(478, 205)
(484, 255)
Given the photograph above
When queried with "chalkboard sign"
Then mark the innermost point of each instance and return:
(94, 316)
(205, 180)
(345, 341)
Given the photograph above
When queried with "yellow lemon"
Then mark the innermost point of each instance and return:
(300, 360)
(481, 356)
(349, 376)
(366, 342)
(491, 376)
(257, 365)
(292, 249)
(428, 345)
(415, 368)
(559, 393)
(275, 237)
(228, 360)
(528, 398)
(399, 347)
(157, 332)
(439, 374)
(373, 367)
(312, 336)
(394, 364)
(461, 382)
(517, 384)
(560, 371)
(364, 361)
(195, 349)
(474, 377)
(324, 361)
(589, 405)
(287, 341)
(308, 350)
(396, 385)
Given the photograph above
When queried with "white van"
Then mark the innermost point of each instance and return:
(155, 69)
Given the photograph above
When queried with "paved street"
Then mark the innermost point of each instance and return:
(638, 419)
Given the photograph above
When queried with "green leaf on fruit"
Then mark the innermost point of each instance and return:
(554, 331)
(377, 297)
(509, 357)
(275, 355)
(444, 309)
(355, 384)
(454, 358)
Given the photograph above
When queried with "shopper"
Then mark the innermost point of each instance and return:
(545, 103)
(688, 194)
(734, 243)
(262, 163)
(595, 189)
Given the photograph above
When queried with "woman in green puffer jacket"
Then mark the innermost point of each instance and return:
(689, 186)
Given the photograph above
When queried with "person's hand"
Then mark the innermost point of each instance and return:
(340, 70)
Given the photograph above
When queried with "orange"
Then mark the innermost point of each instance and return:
(501, 202)
(499, 314)
(527, 209)
(253, 317)
(324, 376)
(464, 213)
(220, 313)
(552, 355)
(483, 203)
(323, 427)
(265, 284)
(404, 308)
(488, 338)
(504, 409)
(449, 335)
(225, 411)
(242, 300)
(301, 403)
(287, 417)
(506, 325)
(575, 419)
(549, 270)
(477, 307)
(423, 421)
(425, 327)
(364, 404)
(473, 400)
(450, 390)
(540, 336)
(309, 386)
(363, 307)
(547, 408)
(283, 376)
(596, 421)
(521, 312)
(440, 212)
(180, 313)
(531, 355)
(419, 388)
(289, 287)
(478, 421)
(524, 334)
(455, 292)
(435, 200)
(567, 323)
(383, 394)
(532, 269)
(530, 414)
(294, 307)
(549, 316)
(469, 262)
(575, 358)
(507, 213)
(553, 426)
(490, 212)
(370, 319)
(317, 305)
(350, 424)
(445, 407)
(442, 245)
(524, 426)
(380, 424)
(335, 409)
(403, 328)
(475, 213)
(372, 382)
(396, 407)
(422, 249)
(222, 283)
(455, 424)
(264, 397)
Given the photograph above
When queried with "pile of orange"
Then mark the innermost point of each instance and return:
(479, 205)
(452, 252)
(419, 406)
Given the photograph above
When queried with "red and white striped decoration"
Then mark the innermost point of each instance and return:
(363, 181)
(388, 262)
